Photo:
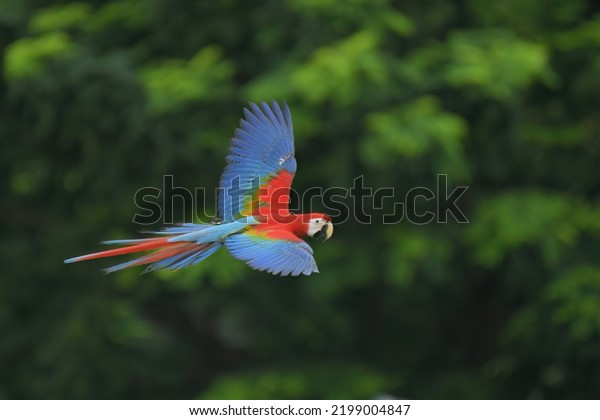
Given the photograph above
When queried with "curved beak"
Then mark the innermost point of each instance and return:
(325, 232)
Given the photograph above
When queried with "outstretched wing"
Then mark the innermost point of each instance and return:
(260, 165)
(275, 251)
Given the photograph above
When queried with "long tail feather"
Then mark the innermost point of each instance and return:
(168, 253)
(179, 247)
(173, 257)
(144, 246)
(186, 258)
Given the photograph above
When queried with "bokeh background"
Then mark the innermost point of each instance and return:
(101, 98)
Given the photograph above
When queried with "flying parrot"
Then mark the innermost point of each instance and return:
(253, 219)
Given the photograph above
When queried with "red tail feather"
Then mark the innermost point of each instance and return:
(146, 246)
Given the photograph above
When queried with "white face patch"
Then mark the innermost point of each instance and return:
(315, 225)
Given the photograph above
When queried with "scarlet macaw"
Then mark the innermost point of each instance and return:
(253, 218)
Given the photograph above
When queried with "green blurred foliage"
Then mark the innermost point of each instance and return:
(337, 381)
(175, 83)
(99, 99)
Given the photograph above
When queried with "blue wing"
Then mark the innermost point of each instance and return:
(261, 148)
(290, 256)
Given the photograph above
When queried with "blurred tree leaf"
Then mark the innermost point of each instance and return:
(576, 293)
(62, 17)
(173, 83)
(28, 56)
(497, 63)
(327, 381)
(413, 130)
(131, 14)
(335, 72)
(521, 218)
(413, 252)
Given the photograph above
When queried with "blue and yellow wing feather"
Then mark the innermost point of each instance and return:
(260, 150)
(286, 255)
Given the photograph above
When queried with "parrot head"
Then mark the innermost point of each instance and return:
(320, 226)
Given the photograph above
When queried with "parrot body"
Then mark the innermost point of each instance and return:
(255, 223)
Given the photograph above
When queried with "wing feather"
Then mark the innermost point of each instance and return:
(286, 255)
(262, 148)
